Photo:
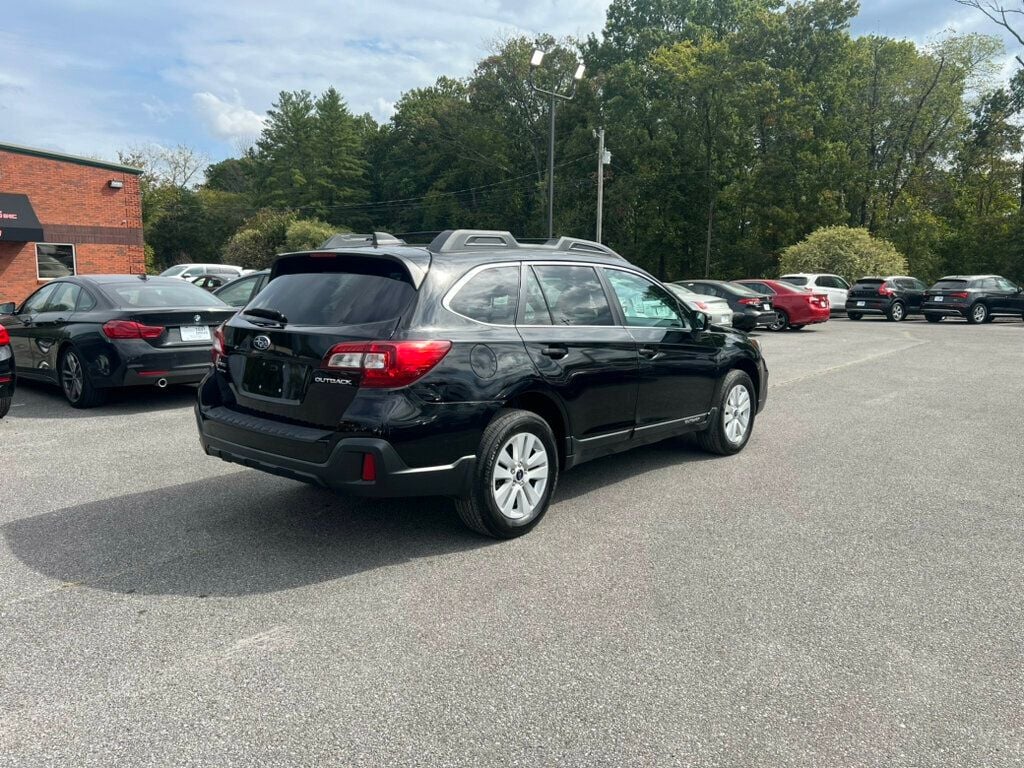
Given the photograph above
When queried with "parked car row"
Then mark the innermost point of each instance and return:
(977, 298)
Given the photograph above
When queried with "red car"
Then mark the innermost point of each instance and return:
(795, 307)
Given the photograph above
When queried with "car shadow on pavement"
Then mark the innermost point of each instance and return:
(238, 534)
(249, 533)
(36, 400)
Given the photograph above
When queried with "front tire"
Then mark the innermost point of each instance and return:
(736, 401)
(896, 312)
(977, 314)
(781, 321)
(515, 476)
(74, 381)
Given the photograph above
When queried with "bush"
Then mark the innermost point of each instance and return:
(851, 253)
(259, 240)
(306, 234)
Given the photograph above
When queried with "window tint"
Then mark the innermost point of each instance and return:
(824, 281)
(63, 299)
(761, 287)
(86, 301)
(574, 295)
(797, 280)
(37, 300)
(988, 284)
(368, 292)
(870, 283)
(535, 308)
(643, 303)
(1005, 284)
(840, 283)
(706, 290)
(490, 296)
(147, 294)
(949, 285)
(54, 260)
(238, 294)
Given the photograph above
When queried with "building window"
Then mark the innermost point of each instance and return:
(54, 260)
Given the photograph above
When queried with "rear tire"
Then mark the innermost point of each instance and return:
(736, 401)
(796, 327)
(933, 318)
(781, 321)
(5, 406)
(74, 381)
(515, 476)
(896, 312)
(978, 313)
(854, 315)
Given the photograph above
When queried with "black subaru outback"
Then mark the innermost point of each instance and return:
(476, 367)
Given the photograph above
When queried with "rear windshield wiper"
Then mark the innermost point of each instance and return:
(269, 314)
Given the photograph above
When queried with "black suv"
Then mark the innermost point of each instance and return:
(475, 367)
(979, 298)
(895, 297)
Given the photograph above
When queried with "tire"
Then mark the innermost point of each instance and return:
(796, 327)
(74, 381)
(978, 313)
(932, 318)
(5, 406)
(897, 312)
(512, 441)
(854, 315)
(720, 436)
(781, 321)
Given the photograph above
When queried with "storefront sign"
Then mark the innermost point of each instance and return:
(18, 222)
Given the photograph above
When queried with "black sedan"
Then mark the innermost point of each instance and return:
(6, 372)
(979, 298)
(749, 308)
(91, 334)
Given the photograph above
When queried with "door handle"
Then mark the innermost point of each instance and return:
(555, 351)
(651, 353)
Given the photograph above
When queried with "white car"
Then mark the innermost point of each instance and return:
(715, 306)
(833, 286)
(192, 271)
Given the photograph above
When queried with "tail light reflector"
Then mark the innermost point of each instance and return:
(219, 348)
(885, 290)
(385, 364)
(958, 295)
(129, 329)
(369, 473)
(752, 301)
(5, 337)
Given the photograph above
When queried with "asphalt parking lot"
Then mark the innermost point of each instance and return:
(845, 592)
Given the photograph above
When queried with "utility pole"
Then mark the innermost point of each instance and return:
(601, 163)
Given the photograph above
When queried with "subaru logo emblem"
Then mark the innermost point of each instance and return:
(261, 343)
(197, 318)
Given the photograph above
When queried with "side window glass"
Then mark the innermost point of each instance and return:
(643, 303)
(37, 300)
(86, 301)
(63, 299)
(988, 284)
(490, 296)
(535, 309)
(575, 296)
(840, 283)
(237, 294)
(760, 288)
(707, 290)
(1006, 285)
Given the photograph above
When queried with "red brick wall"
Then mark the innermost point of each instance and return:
(65, 196)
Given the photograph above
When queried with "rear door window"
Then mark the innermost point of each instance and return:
(63, 299)
(574, 295)
(534, 309)
(762, 287)
(490, 296)
(365, 291)
(238, 293)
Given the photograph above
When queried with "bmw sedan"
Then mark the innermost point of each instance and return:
(6, 372)
(92, 334)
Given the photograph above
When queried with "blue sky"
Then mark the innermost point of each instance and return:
(93, 76)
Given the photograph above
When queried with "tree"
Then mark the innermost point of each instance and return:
(844, 251)
(1005, 15)
(308, 234)
(262, 237)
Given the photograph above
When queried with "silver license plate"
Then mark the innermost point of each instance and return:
(860, 303)
(195, 333)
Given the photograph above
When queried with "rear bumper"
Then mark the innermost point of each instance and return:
(941, 308)
(749, 320)
(130, 363)
(230, 436)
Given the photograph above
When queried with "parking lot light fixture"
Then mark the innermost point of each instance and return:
(537, 59)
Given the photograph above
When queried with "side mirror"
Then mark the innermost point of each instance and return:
(7, 308)
(701, 320)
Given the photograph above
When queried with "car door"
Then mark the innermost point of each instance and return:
(832, 285)
(22, 327)
(677, 371)
(1010, 300)
(574, 340)
(51, 324)
(239, 292)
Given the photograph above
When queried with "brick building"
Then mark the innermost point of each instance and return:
(61, 215)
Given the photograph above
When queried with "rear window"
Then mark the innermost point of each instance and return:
(868, 283)
(949, 285)
(143, 294)
(366, 293)
(741, 290)
(174, 271)
(796, 280)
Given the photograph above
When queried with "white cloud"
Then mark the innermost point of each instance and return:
(227, 119)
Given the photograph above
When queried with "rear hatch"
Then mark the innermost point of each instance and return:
(276, 348)
(947, 292)
(866, 289)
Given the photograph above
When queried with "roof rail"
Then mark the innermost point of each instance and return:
(578, 244)
(452, 240)
(353, 240)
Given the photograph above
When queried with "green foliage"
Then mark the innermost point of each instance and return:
(307, 234)
(262, 237)
(849, 252)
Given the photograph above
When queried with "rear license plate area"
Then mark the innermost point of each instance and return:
(938, 298)
(860, 303)
(195, 333)
(273, 378)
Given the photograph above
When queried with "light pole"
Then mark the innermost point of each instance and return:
(535, 61)
(604, 157)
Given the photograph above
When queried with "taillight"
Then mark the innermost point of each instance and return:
(5, 337)
(752, 301)
(885, 290)
(129, 329)
(220, 346)
(958, 295)
(701, 305)
(369, 473)
(386, 364)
